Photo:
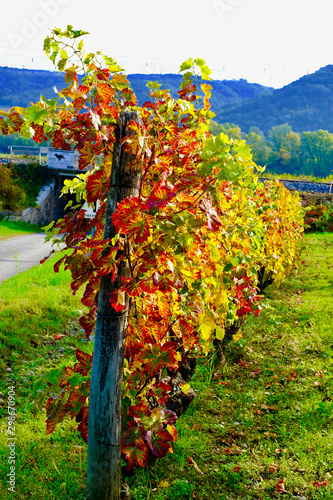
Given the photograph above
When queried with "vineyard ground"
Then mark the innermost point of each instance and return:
(263, 426)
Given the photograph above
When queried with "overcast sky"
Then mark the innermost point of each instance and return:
(271, 42)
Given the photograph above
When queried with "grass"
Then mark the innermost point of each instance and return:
(262, 426)
(10, 229)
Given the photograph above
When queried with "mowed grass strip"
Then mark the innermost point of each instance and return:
(38, 331)
(261, 430)
(10, 229)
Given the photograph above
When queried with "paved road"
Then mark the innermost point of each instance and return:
(22, 252)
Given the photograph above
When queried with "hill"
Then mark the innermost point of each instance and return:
(305, 105)
(20, 87)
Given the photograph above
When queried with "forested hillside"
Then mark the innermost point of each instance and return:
(19, 87)
(305, 105)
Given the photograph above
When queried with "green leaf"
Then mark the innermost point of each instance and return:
(220, 333)
(153, 85)
(62, 64)
(199, 62)
(186, 65)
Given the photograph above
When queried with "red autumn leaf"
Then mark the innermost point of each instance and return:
(133, 288)
(159, 197)
(104, 92)
(95, 186)
(134, 447)
(71, 75)
(255, 373)
(157, 357)
(320, 484)
(87, 157)
(117, 299)
(82, 417)
(39, 135)
(159, 442)
(88, 322)
(236, 469)
(148, 286)
(273, 468)
(58, 336)
(59, 141)
(84, 362)
(129, 218)
(139, 411)
(280, 487)
(164, 281)
(243, 364)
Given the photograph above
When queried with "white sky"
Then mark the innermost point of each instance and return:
(272, 42)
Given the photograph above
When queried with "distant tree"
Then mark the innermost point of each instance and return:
(316, 150)
(229, 129)
(259, 145)
(290, 150)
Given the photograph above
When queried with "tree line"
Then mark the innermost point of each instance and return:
(285, 151)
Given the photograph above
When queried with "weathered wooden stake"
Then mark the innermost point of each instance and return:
(104, 426)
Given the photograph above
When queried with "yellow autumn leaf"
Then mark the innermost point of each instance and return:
(185, 388)
(178, 356)
(207, 326)
(164, 484)
(237, 337)
(220, 333)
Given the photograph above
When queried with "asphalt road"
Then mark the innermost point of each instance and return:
(20, 253)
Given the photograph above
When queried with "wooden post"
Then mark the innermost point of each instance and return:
(104, 425)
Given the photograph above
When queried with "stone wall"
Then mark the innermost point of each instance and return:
(50, 207)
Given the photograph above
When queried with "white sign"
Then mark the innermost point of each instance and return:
(91, 210)
(60, 159)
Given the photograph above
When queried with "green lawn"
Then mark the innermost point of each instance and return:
(10, 229)
(262, 427)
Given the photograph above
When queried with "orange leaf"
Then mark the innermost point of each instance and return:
(320, 484)
(280, 487)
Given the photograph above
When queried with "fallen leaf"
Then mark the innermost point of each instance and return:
(280, 487)
(269, 434)
(77, 449)
(320, 484)
(195, 427)
(236, 469)
(243, 364)
(58, 336)
(190, 461)
(269, 408)
(273, 468)
(164, 484)
(278, 451)
(255, 373)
